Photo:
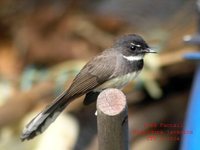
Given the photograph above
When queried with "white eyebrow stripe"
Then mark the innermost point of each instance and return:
(133, 58)
(137, 45)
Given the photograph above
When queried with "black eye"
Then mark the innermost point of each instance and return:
(133, 47)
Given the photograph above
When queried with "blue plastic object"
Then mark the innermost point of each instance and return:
(192, 123)
(193, 56)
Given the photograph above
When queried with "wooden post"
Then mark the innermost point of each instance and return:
(112, 120)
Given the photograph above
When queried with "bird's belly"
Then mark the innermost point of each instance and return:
(118, 82)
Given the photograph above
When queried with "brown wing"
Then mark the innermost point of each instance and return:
(95, 72)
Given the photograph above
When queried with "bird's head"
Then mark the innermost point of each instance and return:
(132, 45)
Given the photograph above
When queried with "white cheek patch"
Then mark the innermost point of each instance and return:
(133, 58)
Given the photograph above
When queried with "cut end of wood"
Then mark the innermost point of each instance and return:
(111, 102)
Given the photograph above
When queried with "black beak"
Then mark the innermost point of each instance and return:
(149, 50)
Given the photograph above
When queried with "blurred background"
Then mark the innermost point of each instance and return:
(43, 45)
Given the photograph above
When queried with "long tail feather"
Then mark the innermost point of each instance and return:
(42, 121)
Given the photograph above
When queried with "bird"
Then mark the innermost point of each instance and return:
(114, 67)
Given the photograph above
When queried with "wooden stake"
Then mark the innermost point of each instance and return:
(112, 120)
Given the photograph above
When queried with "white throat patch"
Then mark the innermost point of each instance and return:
(133, 58)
